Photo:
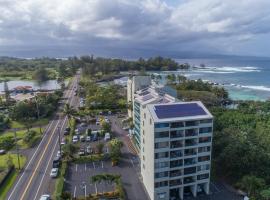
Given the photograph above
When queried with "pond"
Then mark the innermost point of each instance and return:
(47, 85)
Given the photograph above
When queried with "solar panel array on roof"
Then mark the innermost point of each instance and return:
(178, 110)
(147, 97)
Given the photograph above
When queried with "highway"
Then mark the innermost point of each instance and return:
(35, 180)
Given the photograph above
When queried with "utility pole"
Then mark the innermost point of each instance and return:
(59, 137)
(17, 149)
(37, 107)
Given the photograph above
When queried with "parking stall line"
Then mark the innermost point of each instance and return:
(76, 167)
(74, 193)
(85, 191)
(96, 188)
(85, 167)
(102, 164)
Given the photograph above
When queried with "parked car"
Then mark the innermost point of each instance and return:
(95, 135)
(54, 172)
(45, 197)
(88, 138)
(82, 138)
(89, 150)
(59, 154)
(2, 151)
(56, 162)
(83, 125)
(63, 141)
(81, 152)
(67, 131)
(75, 139)
(107, 137)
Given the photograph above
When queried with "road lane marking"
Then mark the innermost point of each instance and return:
(96, 188)
(85, 191)
(85, 167)
(76, 167)
(37, 166)
(74, 193)
(45, 134)
(102, 164)
(49, 162)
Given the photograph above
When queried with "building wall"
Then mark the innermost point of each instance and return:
(193, 168)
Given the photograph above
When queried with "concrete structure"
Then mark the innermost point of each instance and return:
(134, 84)
(176, 141)
(149, 95)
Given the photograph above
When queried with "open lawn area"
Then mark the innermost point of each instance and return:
(3, 160)
(42, 122)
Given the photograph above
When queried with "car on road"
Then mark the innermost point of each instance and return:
(54, 172)
(63, 142)
(81, 152)
(67, 131)
(107, 137)
(82, 138)
(59, 154)
(56, 162)
(88, 138)
(45, 197)
(75, 139)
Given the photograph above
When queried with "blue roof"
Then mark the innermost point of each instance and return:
(179, 110)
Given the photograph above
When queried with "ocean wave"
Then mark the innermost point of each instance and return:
(254, 87)
(228, 69)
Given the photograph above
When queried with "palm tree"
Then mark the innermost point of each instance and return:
(251, 184)
(69, 111)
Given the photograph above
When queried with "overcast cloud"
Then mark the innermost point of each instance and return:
(132, 28)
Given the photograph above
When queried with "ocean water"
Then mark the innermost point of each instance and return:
(245, 79)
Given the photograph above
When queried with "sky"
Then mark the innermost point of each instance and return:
(134, 28)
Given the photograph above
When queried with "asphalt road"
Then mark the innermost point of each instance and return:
(34, 180)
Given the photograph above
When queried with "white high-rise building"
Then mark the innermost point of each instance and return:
(134, 84)
(176, 141)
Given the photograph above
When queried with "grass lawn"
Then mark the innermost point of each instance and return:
(12, 177)
(42, 122)
(3, 160)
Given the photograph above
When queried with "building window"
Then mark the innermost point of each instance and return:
(150, 121)
(143, 122)
(190, 152)
(206, 121)
(191, 132)
(203, 158)
(143, 158)
(190, 161)
(205, 130)
(190, 142)
(204, 139)
(204, 149)
(161, 155)
(159, 165)
(203, 176)
(176, 163)
(189, 170)
(143, 132)
(192, 123)
(176, 144)
(176, 182)
(160, 145)
(203, 167)
(161, 174)
(144, 116)
(161, 184)
(176, 154)
(162, 125)
(175, 173)
(163, 134)
(177, 134)
(177, 124)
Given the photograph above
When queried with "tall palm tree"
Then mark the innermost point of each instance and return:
(69, 111)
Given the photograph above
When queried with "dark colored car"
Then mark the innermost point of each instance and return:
(56, 162)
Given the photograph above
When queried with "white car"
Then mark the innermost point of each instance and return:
(75, 139)
(45, 197)
(88, 138)
(54, 172)
(59, 154)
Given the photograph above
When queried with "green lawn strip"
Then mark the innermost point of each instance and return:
(42, 122)
(3, 160)
(8, 184)
(59, 183)
(20, 133)
(12, 177)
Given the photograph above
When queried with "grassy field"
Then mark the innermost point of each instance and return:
(42, 122)
(12, 177)
(3, 160)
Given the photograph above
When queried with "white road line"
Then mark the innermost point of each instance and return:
(45, 134)
(76, 167)
(96, 188)
(102, 164)
(55, 145)
(85, 191)
(74, 193)
(132, 162)
(85, 167)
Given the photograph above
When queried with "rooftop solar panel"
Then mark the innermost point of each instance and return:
(147, 97)
(178, 110)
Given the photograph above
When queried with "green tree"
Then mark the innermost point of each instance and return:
(265, 194)
(115, 153)
(252, 185)
(99, 148)
(41, 75)
(69, 111)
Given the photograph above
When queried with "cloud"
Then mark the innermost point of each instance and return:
(143, 25)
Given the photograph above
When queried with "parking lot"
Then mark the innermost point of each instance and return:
(78, 179)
